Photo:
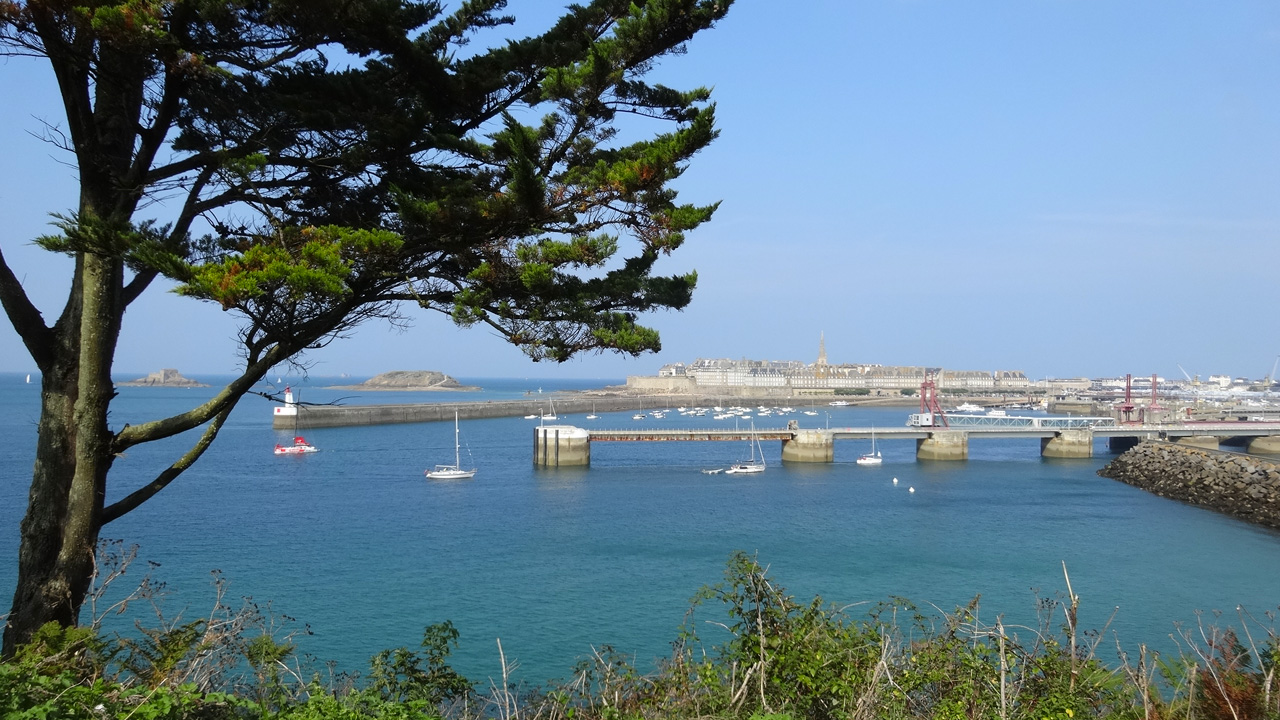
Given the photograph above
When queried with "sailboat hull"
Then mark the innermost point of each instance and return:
(450, 473)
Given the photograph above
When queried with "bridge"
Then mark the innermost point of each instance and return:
(1014, 421)
(556, 445)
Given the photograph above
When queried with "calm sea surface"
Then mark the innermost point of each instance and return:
(356, 543)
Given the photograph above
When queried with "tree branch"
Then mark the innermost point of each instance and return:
(137, 497)
(135, 287)
(26, 318)
(157, 429)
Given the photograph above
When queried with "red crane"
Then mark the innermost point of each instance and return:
(1126, 409)
(929, 401)
(1155, 404)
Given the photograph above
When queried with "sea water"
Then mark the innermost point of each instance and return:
(354, 542)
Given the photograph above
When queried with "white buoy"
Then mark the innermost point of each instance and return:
(895, 481)
(911, 489)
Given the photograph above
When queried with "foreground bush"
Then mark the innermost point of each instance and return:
(773, 658)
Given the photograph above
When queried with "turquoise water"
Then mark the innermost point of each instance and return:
(357, 544)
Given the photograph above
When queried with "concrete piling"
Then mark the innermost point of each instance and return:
(809, 446)
(1208, 442)
(561, 446)
(943, 445)
(1068, 444)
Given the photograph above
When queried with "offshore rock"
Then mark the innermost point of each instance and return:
(410, 380)
(1242, 487)
(164, 378)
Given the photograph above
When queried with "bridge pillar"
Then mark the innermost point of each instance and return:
(1068, 444)
(809, 446)
(944, 445)
(1208, 442)
(1267, 444)
(561, 445)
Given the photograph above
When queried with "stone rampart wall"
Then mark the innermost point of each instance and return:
(1240, 485)
(669, 384)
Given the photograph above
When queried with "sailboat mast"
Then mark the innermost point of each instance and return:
(457, 452)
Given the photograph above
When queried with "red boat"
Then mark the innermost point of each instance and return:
(299, 446)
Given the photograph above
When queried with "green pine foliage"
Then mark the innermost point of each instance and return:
(515, 225)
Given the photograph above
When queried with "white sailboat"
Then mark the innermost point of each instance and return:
(550, 414)
(753, 465)
(454, 471)
(593, 414)
(873, 457)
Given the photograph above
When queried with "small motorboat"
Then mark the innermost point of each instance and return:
(300, 446)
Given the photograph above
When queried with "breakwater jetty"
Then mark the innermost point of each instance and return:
(1240, 485)
(317, 416)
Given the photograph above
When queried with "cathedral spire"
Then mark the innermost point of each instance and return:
(822, 349)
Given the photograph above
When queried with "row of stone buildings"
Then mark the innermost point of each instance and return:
(793, 376)
(799, 377)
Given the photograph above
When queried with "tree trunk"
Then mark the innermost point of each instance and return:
(36, 598)
(73, 455)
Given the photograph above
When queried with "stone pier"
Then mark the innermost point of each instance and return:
(1068, 444)
(1208, 442)
(809, 446)
(1269, 445)
(561, 446)
(943, 445)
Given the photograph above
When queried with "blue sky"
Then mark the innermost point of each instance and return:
(1061, 187)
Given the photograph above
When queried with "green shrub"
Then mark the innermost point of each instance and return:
(773, 658)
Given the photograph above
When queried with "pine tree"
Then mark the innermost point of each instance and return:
(347, 157)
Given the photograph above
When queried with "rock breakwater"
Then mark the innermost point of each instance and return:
(1239, 485)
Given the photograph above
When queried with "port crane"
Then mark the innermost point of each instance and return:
(1195, 383)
